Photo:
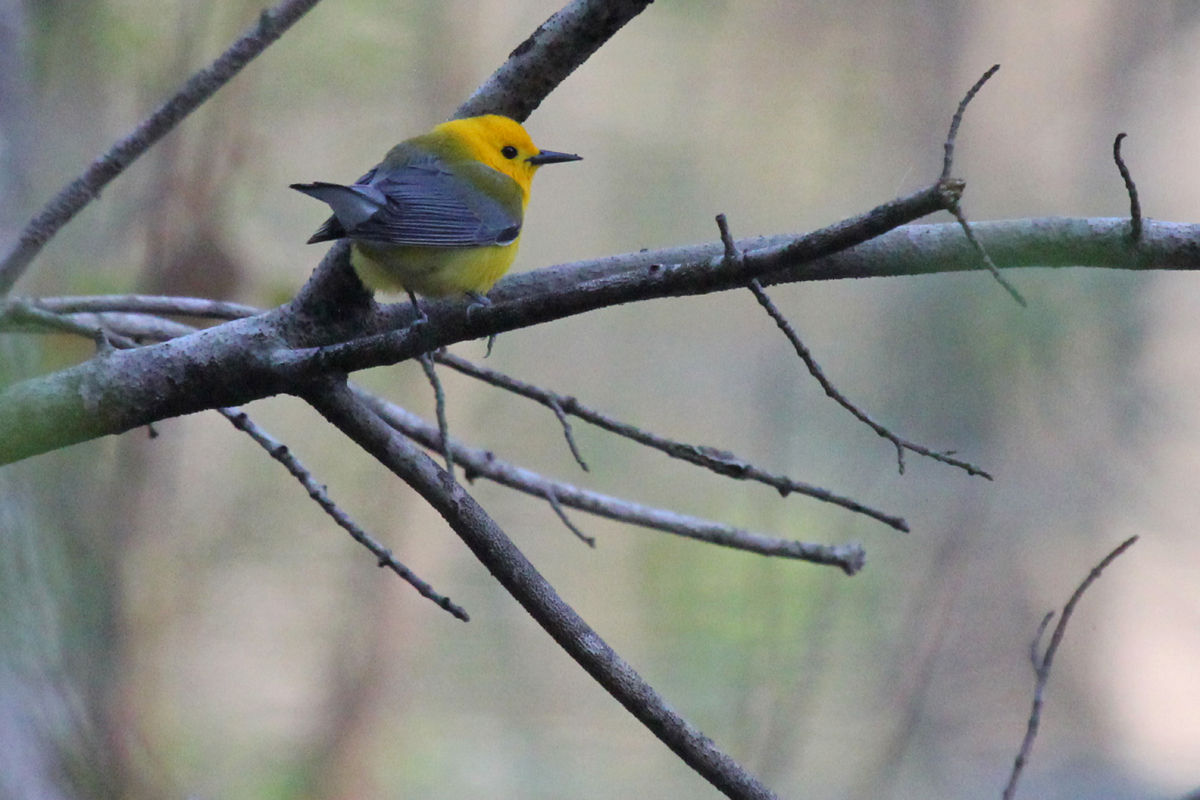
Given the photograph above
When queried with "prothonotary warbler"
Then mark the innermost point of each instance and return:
(441, 214)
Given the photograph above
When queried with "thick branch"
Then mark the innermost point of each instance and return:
(557, 48)
(522, 580)
(244, 360)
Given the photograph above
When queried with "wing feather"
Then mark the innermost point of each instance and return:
(430, 206)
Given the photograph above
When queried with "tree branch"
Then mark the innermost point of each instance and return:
(1041, 666)
(719, 461)
(248, 359)
(849, 558)
(272, 24)
(557, 48)
(522, 580)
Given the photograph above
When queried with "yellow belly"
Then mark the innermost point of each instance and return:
(431, 271)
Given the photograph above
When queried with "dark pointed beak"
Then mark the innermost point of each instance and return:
(551, 157)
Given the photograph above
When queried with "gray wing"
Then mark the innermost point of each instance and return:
(422, 203)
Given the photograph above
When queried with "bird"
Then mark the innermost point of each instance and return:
(441, 215)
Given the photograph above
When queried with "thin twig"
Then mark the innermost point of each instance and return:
(815, 370)
(1135, 207)
(953, 201)
(948, 159)
(272, 23)
(439, 397)
(1041, 666)
(281, 453)
(28, 312)
(552, 499)
(557, 408)
(481, 463)
(148, 304)
(956, 210)
(719, 461)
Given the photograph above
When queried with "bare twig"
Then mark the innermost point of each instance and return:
(28, 312)
(552, 499)
(1135, 207)
(814, 369)
(148, 304)
(948, 159)
(718, 461)
(731, 254)
(272, 23)
(281, 453)
(1041, 666)
(568, 433)
(439, 398)
(956, 210)
(480, 463)
(954, 204)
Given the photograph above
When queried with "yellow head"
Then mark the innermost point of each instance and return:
(502, 144)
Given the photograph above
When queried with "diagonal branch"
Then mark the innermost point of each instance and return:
(1041, 666)
(556, 49)
(733, 256)
(283, 454)
(521, 579)
(272, 24)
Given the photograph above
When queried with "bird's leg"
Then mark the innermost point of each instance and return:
(477, 300)
(417, 306)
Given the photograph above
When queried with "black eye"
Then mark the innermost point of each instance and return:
(508, 151)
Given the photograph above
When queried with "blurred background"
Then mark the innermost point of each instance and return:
(177, 619)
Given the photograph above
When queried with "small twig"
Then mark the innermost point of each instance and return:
(272, 24)
(815, 370)
(948, 160)
(849, 558)
(953, 200)
(1041, 666)
(440, 405)
(956, 210)
(28, 312)
(148, 304)
(557, 408)
(281, 453)
(1135, 207)
(552, 499)
(718, 461)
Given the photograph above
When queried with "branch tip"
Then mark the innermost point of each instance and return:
(1135, 207)
(948, 161)
(987, 259)
(832, 392)
(281, 453)
(1041, 665)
